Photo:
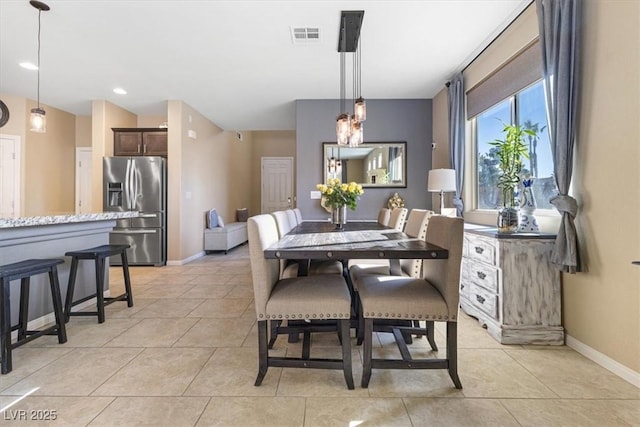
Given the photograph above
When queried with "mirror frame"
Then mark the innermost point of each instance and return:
(333, 145)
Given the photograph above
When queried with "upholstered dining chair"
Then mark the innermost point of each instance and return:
(417, 223)
(433, 297)
(397, 217)
(282, 222)
(291, 268)
(383, 216)
(323, 297)
(293, 220)
(298, 213)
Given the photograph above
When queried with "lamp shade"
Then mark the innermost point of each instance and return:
(442, 180)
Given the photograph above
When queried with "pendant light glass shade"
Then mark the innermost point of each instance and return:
(38, 120)
(360, 108)
(343, 129)
(357, 135)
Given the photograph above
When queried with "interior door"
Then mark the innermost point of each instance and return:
(277, 183)
(9, 176)
(83, 179)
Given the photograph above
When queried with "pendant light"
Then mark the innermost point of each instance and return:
(349, 128)
(38, 118)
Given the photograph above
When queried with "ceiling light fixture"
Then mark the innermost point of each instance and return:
(120, 91)
(38, 119)
(349, 128)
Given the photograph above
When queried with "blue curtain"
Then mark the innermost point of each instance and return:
(560, 37)
(455, 95)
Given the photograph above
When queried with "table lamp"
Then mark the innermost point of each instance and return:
(441, 180)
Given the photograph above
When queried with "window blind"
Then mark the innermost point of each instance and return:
(522, 70)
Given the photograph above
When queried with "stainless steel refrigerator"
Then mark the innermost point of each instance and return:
(138, 184)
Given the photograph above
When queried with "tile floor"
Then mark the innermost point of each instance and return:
(185, 355)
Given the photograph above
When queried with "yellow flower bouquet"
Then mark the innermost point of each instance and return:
(337, 194)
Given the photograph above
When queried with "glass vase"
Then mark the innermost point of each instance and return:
(339, 216)
(508, 219)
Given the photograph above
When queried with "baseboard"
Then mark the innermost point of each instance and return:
(186, 260)
(605, 361)
(47, 319)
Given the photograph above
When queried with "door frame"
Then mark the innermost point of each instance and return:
(78, 177)
(262, 182)
(17, 181)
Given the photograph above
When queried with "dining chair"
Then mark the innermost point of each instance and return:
(433, 297)
(416, 227)
(319, 297)
(298, 213)
(397, 217)
(282, 222)
(291, 268)
(383, 216)
(293, 220)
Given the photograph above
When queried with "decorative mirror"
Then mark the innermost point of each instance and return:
(374, 164)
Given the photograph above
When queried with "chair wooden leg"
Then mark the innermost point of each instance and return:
(57, 305)
(23, 315)
(360, 329)
(5, 326)
(263, 352)
(431, 335)
(366, 353)
(345, 325)
(452, 353)
(273, 326)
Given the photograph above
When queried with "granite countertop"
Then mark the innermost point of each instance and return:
(30, 221)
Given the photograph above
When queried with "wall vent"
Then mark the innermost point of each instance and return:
(305, 35)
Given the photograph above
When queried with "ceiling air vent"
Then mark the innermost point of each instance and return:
(305, 35)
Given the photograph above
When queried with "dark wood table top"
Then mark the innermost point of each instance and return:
(358, 240)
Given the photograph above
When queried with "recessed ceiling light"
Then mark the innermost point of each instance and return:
(29, 66)
(120, 91)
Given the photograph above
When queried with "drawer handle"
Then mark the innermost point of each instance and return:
(479, 250)
(481, 275)
(480, 299)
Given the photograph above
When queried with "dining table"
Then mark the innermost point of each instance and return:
(322, 240)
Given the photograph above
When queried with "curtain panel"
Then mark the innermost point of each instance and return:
(455, 96)
(560, 39)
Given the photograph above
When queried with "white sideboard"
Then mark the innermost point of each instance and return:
(508, 283)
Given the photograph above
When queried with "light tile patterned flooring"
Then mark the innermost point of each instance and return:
(185, 355)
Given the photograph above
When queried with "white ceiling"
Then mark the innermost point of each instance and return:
(234, 61)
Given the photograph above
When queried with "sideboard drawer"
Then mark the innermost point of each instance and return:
(484, 300)
(481, 250)
(482, 275)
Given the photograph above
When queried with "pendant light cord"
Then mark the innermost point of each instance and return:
(38, 87)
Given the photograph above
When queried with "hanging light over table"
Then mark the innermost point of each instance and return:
(38, 117)
(349, 127)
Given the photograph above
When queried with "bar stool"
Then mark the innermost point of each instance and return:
(98, 254)
(23, 270)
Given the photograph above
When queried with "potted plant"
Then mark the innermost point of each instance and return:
(511, 152)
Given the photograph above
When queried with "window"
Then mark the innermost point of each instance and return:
(526, 108)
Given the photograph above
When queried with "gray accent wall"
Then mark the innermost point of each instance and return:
(407, 120)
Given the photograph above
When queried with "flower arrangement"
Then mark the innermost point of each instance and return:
(337, 194)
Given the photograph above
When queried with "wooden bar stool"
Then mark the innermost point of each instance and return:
(98, 254)
(23, 270)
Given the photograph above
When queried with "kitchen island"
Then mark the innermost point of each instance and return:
(51, 237)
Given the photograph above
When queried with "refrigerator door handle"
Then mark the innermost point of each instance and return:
(134, 231)
(136, 184)
(127, 185)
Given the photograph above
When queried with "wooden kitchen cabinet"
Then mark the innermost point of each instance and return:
(508, 283)
(140, 142)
